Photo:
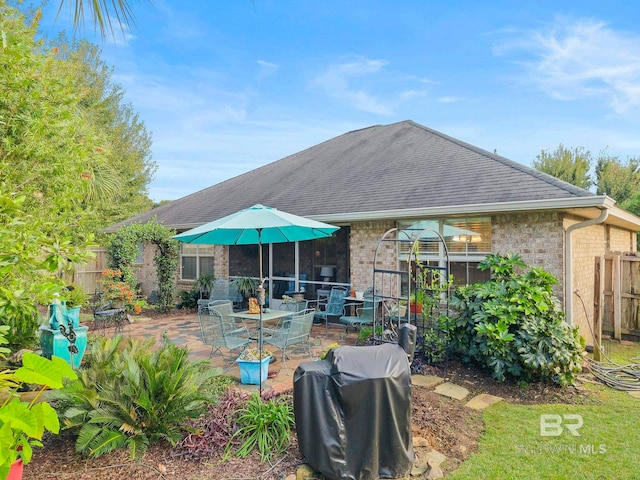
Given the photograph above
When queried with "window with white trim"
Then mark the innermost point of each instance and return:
(468, 241)
(195, 260)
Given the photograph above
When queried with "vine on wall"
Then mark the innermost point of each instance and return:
(123, 251)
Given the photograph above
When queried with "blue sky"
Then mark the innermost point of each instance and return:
(226, 87)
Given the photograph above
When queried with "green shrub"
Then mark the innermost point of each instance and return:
(74, 296)
(189, 298)
(513, 324)
(264, 425)
(131, 396)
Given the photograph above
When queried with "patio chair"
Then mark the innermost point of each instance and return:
(220, 331)
(222, 289)
(295, 330)
(364, 314)
(295, 306)
(334, 307)
(219, 291)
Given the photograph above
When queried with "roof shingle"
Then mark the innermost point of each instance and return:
(384, 167)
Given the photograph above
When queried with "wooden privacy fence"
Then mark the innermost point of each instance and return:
(86, 275)
(617, 295)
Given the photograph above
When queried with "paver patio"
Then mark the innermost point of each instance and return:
(184, 330)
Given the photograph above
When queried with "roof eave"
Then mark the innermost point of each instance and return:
(598, 202)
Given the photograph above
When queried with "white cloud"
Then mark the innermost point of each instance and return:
(356, 78)
(337, 81)
(449, 99)
(266, 69)
(582, 59)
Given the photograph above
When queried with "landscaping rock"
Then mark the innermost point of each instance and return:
(305, 472)
(434, 471)
(452, 391)
(428, 381)
(425, 461)
(482, 401)
(461, 449)
(420, 442)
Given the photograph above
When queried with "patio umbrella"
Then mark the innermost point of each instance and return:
(257, 225)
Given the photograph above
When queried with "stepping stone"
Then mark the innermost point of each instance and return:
(634, 394)
(452, 391)
(426, 380)
(482, 401)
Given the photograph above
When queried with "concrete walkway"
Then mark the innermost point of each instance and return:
(184, 330)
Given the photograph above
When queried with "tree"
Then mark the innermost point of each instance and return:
(570, 165)
(69, 142)
(117, 183)
(53, 140)
(620, 180)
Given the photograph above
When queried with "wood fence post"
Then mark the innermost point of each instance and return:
(617, 298)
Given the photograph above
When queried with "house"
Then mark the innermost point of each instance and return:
(371, 180)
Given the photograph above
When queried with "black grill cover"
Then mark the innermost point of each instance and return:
(353, 413)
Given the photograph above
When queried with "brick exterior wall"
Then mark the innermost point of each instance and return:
(537, 236)
(620, 240)
(587, 243)
(146, 271)
(363, 241)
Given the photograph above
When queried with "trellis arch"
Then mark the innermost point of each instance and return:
(123, 251)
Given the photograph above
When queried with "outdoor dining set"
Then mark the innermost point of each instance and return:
(229, 331)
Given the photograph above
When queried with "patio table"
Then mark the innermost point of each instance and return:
(269, 315)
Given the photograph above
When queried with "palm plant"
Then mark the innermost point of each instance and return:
(102, 12)
(132, 397)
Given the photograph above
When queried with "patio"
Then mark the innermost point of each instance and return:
(184, 330)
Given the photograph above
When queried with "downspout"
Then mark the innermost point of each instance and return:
(568, 272)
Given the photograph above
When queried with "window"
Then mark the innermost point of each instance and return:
(467, 240)
(195, 260)
(140, 258)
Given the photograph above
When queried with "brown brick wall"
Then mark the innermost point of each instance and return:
(620, 240)
(587, 244)
(146, 271)
(363, 241)
(537, 236)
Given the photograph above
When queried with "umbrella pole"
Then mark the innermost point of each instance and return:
(260, 304)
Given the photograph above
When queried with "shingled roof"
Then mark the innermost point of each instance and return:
(402, 166)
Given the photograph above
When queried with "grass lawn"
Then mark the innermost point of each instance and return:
(608, 445)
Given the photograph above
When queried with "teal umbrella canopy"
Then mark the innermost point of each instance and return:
(257, 225)
(254, 226)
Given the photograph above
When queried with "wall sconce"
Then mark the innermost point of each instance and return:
(326, 273)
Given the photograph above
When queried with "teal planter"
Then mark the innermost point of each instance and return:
(65, 337)
(253, 372)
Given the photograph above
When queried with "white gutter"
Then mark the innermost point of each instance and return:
(568, 272)
(599, 201)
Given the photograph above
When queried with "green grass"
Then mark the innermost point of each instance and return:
(618, 353)
(608, 447)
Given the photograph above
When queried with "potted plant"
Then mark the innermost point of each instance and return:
(247, 287)
(23, 423)
(204, 284)
(254, 369)
(417, 298)
(116, 290)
